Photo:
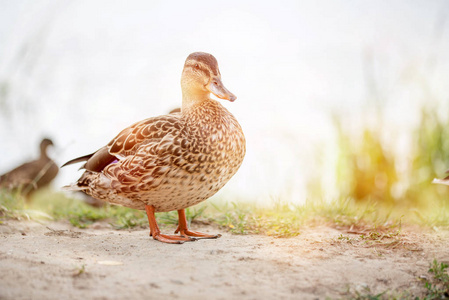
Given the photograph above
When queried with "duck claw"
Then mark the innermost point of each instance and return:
(196, 234)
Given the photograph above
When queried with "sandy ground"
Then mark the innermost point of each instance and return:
(57, 261)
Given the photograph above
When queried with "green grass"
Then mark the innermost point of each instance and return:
(435, 215)
(79, 271)
(366, 294)
(58, 206)
(12, 206)
(81, 215)
(374, 223)
(438, 286)
(284, 220)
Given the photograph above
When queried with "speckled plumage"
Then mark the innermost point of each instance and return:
(172, 161)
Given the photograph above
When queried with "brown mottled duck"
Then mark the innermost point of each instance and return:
(173, 161)
(33, 175)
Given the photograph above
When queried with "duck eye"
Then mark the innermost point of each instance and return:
(197, 66)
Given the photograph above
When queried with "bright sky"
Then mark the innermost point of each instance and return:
(80, 71)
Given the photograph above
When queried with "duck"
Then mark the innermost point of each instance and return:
(32, 176)
(174, 161)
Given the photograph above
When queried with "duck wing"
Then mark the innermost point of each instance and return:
(151, 130)
(128, 141)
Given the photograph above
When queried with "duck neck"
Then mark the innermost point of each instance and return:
(192, 99)
(44, 152)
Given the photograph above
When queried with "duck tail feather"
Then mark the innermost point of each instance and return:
(78, 159)
(73, 188)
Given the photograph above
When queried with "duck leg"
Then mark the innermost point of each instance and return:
(184, 231)
(156, 233)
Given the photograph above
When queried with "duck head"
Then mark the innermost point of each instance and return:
(200, 77)
(44, 145)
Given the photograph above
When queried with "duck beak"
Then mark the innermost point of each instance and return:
(217, 88)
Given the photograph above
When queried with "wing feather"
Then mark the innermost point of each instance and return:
(150, 130)
(129, 140)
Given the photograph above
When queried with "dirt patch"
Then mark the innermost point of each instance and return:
(68, 233)
(55, 260)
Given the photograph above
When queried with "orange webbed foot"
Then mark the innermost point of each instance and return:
(156, 233)
(184, 231)
(196, 234)
(173, 239)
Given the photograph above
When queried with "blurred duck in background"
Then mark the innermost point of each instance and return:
(31, 176)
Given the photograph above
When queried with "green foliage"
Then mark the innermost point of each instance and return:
(438, 286)
(246, 218)
(59, 207)
(366, 169)
(435, 214)
(79, 271)
(79, 215)
(124, 218)
(430, 158)
(237, 218)
(374, 223)
(82, 215)
(285, 220)
(12, 206)
(366, 294)
(192, 213)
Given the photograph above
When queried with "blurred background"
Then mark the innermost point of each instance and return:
(336, 98)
